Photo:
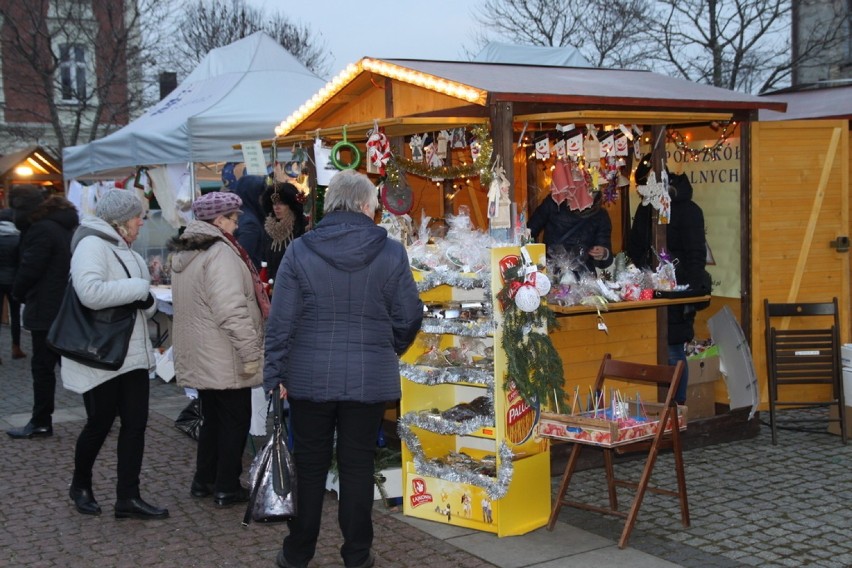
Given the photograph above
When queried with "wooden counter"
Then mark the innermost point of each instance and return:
(636, 332)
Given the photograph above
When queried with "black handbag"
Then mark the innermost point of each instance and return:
(272, 477)
(190, 419)
(95, 338)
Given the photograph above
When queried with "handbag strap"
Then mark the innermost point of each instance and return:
(124, 266)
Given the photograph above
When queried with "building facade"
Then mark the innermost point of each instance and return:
(69, 70)
(831, 63)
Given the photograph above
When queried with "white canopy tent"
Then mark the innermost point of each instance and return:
(237, 93)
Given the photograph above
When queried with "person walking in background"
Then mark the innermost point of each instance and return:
(10, 238)
(250, 233)
(101, 261)
(345, 307)
(46, 226)
(284, 221)
(219, 310)
(687, 250)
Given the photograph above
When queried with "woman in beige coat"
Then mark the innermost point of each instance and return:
(219, 310)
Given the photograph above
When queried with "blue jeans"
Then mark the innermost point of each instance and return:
(677, 353)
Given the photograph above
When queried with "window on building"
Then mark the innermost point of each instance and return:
(72, 71)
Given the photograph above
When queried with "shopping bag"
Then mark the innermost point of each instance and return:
(190, 418)
(272, 477)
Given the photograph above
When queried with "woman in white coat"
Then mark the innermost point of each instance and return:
(217, 333)
(100, 255)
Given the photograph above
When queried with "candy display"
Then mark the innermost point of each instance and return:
(622, 422)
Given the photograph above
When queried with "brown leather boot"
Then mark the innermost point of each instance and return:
(17, 353)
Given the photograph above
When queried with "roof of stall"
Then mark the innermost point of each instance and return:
(537, 92)
(830, 102)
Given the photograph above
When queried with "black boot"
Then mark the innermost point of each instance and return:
(228, 498)
(30, 430)
(136, 508)
(84, 501)
(200, 490)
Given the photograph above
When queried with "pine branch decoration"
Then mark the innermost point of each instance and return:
(533, 364)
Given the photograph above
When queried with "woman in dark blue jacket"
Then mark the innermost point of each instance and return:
(345, 307)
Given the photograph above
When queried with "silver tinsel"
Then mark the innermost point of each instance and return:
(453, 278)
(495, 488)
(435, 423)
(458, 327)
(441, 375)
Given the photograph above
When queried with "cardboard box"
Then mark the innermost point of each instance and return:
(701, 399)
(703, 370)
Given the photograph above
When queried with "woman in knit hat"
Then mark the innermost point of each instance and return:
(106, 273)
(219, 312)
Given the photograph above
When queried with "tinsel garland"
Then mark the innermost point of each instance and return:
(446, 375)
(495, 488)
(452, 278)
(432, 422)
(480, 167)
(534, 366)
(458, 327)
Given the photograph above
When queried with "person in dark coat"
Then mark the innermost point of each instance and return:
(250, 233)
(284, 220)
(687, 249)
(586, 234)
(10, 238)
(345, 307)
(46, 227)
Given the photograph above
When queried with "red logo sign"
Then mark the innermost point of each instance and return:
(419, 496)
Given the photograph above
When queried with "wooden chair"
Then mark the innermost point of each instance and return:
(809, 356)
(626, 372)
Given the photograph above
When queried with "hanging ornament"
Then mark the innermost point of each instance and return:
(345, 145)
(542, 147)
(416, 145)
(542, 284)
(397, 197)
(378, 150)
(527, 298)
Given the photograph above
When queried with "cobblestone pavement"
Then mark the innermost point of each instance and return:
(751, 503)
(40, 527)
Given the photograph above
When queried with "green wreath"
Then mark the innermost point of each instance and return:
(345, 145)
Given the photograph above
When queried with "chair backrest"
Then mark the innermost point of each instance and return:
(801, 309)
(802, 355)
(664, 376)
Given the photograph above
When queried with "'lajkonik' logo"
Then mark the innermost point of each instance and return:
(419, 496)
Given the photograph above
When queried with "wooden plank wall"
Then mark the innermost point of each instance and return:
(800, 187)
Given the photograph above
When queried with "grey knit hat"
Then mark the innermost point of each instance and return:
(119, 205)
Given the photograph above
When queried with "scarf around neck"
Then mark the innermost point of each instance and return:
(259, 291)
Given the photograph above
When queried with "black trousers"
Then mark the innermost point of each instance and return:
(313, 425)
(14, 313)
(43, 367)
(125, 396)
(222, 438)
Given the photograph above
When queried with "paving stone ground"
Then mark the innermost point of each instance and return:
(752, 503)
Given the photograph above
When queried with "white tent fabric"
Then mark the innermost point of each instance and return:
(237, 93)
(495, 52)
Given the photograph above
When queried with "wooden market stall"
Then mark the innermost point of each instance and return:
(499, 114)
(31, 165)
(690, 123)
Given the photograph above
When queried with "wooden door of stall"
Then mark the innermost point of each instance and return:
(800, 214)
